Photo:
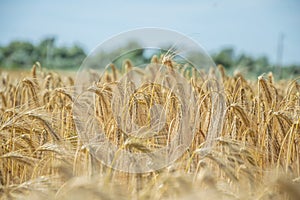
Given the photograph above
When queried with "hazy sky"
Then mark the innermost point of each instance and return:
(251, 26)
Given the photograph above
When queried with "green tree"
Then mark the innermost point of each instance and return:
(225, 57)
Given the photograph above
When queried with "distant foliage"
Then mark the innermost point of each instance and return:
(20, 54)
(252, 67)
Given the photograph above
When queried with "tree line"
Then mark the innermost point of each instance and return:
(252, 66)
(22, 54)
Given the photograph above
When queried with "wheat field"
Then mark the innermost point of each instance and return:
(255, 156)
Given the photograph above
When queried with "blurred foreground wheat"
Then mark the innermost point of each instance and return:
(257, 155)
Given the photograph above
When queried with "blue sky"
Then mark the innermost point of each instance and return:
(251, 27)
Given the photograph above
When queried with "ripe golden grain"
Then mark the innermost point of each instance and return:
(41, 154)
